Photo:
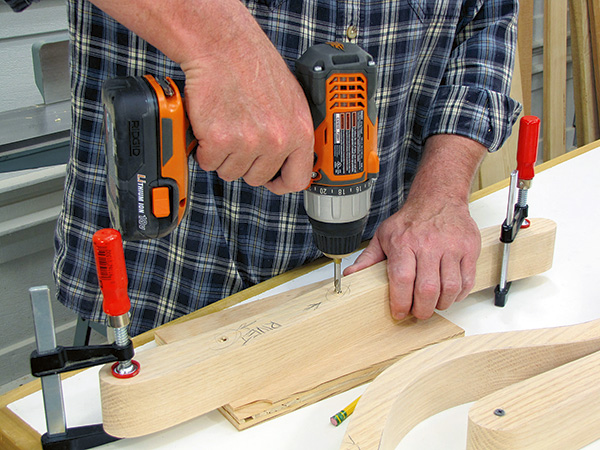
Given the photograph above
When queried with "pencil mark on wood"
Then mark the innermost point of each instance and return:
(249, 333)
(351, 442)
(313, 306)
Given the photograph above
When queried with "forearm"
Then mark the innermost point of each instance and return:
(185, 30)
(447, 169)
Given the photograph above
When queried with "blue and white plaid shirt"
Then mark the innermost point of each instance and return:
(444, 67)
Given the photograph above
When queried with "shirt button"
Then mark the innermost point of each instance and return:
(352, 32)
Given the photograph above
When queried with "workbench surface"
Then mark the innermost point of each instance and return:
(566, 191)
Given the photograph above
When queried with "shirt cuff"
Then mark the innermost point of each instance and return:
(19, 5)
(479, 114)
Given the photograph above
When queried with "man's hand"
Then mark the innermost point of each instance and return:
(251, 118)
(431, 252)
(432, 243)
(247, 110)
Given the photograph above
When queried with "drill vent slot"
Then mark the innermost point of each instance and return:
(346, 92)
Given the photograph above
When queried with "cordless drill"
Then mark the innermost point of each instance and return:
(339, 81)
(148, 141)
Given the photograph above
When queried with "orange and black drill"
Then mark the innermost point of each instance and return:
(148, 141)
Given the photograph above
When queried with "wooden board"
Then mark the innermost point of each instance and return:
(531, 253)
(557, 410)
(525, 44)
(555, 78)
(315, 338)
(586, 110)
(594, 15)
(457, 372)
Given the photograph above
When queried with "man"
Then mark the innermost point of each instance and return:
(444, 77)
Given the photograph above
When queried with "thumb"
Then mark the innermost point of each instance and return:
(370, 255)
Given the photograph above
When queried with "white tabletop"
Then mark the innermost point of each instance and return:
(566, 294)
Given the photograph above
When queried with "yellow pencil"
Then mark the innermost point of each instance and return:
(344, 413)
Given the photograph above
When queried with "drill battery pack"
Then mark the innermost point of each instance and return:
(147, 141)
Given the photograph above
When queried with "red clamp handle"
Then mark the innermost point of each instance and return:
(529, 131)
(112, 274)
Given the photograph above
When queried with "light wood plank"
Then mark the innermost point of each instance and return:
(456, 372)
(557, 410)
(16, 433)
(525, 45)
(531, 253)
(316, 338)
(594, 16)
(555, 78)
(586, 110)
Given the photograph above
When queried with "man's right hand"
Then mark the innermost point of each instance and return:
(250, 115)
(247, 110)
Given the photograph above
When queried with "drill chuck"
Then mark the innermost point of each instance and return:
(338, 216)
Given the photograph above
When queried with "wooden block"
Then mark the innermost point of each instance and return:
(531, 254)
(555, 78)
(457, 372)
(558, 410)
(525, 44)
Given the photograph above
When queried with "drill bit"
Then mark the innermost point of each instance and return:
(337, 275)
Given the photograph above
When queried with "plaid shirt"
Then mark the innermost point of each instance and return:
(444, 67)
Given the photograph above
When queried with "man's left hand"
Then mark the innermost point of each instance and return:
(432, 243)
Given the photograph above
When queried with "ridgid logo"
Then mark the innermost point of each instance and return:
(135, 140)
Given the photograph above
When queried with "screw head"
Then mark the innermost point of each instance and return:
(499, 412)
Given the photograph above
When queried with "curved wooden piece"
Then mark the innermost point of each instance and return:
(556, 410)
(457, 372)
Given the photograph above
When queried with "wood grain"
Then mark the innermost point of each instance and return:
(309, 338)
(456, 372)
(317, 337)
(586, 110)
(555, 78)
(525, 45)
(556, 410)
(594, 16)
(16, 433)
(531, 253)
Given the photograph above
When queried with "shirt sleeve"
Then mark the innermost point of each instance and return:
(19, 5)
(473, 99)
